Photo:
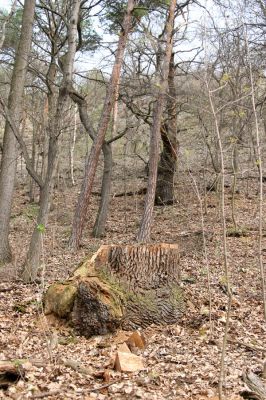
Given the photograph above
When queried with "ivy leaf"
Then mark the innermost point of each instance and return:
(41, 228)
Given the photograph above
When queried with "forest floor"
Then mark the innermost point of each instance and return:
(181, 361)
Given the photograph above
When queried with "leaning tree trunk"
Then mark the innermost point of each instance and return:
(145, 227)
(84, 197)
(126, 286)
(167, 164)
(10, 147)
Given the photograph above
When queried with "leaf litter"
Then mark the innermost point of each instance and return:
(180, 361)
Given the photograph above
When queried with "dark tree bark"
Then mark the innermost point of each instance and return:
(145, 227)
(90, 170)
(100, 223)
(10, 146)
(168, 159)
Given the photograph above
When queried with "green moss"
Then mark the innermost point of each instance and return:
(240, 232)
(118, 288)
(176, 297)
(147, 301)
(59, 299)
(82, 269)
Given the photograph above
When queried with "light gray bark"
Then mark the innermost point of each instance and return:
(145, 227)
(10, 146)
(33, 259)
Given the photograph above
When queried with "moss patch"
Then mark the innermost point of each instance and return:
(59, 299)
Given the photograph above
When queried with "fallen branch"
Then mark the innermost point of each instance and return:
(6, 289)
(76, 366)
(122, 194)
(248, 346)
(104, 386)
(46, 394)
(255, 384)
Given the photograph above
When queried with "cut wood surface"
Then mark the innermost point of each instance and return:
(128, 362)
(120, 285)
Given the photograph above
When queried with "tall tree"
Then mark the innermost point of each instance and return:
(32, 263)
(145, 227)
(168, 158)
(10, 146)
(90, 170)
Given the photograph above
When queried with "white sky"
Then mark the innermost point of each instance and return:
(95, 60)
(5, 4)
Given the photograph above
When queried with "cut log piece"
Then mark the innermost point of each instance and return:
(10, 373)
(255, 384)
(59, 299)
(120, 286)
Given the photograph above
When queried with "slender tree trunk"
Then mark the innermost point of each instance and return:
(145, 227)
(167, 165)
(32, 263)
(10, 146)
(101, 219)
(72, 142)
(90, 170)
(100, 223)
(6, 21)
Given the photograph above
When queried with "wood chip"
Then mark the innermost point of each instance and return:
(128, 362)
(136, 340)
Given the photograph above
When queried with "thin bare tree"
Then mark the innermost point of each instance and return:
(146, 223)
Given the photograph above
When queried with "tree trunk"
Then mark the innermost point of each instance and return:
(10, 146)
(90, 170)
(72, 142)
(127, 286)
(100, 223)
(32, 263)
(167, 164)
(145, 227)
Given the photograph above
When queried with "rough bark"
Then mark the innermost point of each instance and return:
(167, 164)
(127, 286)
(10, 146)
(90, 170)
(256, 385)
(145, 227)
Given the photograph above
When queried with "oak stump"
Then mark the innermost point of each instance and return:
(126, 286)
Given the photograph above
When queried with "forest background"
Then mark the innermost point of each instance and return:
(119, 126)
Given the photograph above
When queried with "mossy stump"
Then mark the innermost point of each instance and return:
(126, 286)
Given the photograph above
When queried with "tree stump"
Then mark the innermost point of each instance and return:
(126, 286)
